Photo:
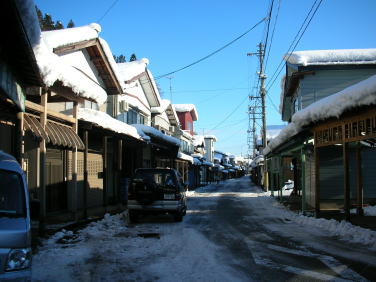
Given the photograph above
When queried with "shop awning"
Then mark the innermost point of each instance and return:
(54, 133)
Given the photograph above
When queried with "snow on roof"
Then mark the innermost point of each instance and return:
(130, 70)
(185, 157)
(211, 137)
(360, 94)
(162, 108)
(151, 131)
(63, 37)
(183, 108)
(257, 161)
(220, 152)
(68, 36)
(53, 68)
(103, 120)
(198, 140)
(187, 134)
(332, 57)
(207, 163)
(196, 161)
(154, 86)
(111, 60)
(272, 131)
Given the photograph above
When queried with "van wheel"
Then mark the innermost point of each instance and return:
(178, 217)
(133, 216)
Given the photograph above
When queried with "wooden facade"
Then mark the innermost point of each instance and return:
(341, 143)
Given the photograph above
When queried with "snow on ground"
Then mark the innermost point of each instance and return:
(368, 211)
(111, 250)
(343, 230)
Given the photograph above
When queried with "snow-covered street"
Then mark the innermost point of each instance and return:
(232, 232)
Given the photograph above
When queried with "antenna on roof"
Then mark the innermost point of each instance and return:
(170, 78)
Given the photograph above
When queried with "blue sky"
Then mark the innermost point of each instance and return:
(174, 33)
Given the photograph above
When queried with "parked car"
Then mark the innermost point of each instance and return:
(157, 191)
(15, 231)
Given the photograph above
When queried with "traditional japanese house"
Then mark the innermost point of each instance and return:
(331, 131)
(141, 106)
(18, 72)
(83, 155)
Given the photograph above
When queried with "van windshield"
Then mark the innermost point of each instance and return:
(12, 198)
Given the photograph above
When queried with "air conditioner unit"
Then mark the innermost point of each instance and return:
(123, 106)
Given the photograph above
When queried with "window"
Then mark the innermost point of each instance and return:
(131, 117)
(12, 198)
(140, 119)
(91, 105)
(189, 126)
(296, 104)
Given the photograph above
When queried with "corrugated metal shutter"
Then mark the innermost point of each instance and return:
(331, 173)
(369, 175)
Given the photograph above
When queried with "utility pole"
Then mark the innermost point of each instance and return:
(253, 108)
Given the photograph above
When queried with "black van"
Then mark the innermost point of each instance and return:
(157, 190)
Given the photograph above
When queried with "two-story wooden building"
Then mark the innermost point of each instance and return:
(328, 98)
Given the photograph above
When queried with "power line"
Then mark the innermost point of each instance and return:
(272, 36)
(268, 25)
(227, 117)
(213, 53)
(296, 36)
(107, 11)
(209, 90)
(278, 70)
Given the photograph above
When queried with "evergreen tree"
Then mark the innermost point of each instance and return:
(40, 16)
(133, 57)
(48, 23)
(59, 25)
(120, 58)
(70, 24)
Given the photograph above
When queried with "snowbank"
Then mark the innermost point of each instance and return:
(343, 229)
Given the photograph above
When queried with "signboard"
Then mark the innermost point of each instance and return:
(10, 87)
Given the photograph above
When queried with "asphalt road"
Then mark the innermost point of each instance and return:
(262, 247)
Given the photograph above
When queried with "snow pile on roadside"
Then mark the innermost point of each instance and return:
(343, 229)
(75, 249)
(109, 251)
(368, 211)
